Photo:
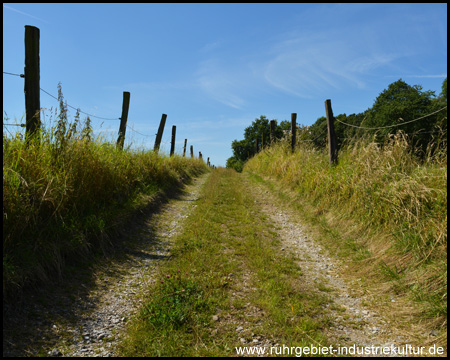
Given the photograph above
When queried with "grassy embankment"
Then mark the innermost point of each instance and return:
(380, 208)
(66, 198)
(226, 263)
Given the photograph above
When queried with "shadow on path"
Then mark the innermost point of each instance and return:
(29, 319)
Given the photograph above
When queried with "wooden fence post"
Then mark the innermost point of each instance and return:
(200, 155)
(123, 120)
(192, 151)
(172, 144)
(272, 131)
(184, 149)
(332, 150)
(160, 132)
(207, 163)
(32, 82)
(293, 130)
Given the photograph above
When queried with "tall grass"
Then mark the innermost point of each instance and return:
(386, 189)
(63, 197)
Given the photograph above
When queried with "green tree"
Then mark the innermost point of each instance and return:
(319, 132)
(345, 134)
(246, 148)
(283, 129)
(443, 94)
(439, 134)
(398, 104)
(235, 164)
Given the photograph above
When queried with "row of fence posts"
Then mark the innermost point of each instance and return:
(33, 106)
(332, 149)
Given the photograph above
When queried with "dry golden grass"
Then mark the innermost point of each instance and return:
(381, 207)
(63, 199)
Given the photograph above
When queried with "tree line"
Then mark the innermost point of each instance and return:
(397, 104)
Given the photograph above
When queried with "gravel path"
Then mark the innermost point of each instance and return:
(87, 319)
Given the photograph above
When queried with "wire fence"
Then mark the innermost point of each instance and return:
(324, 133)
(393, 125)
(21, 75)
(32, 100)
(163, 144)
(321, 135)
(75, 108)
(78, 109)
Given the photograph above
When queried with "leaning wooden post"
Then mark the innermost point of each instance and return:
(184, 149)
(192, 151)
(172, 144)
(32, 82)
(160, 132)
(293, 130)
(272, 131)
(123, 120)
(331, 134)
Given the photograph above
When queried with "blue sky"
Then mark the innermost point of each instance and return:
(215, 68)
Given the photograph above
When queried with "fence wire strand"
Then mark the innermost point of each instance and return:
(132, 129)
(8, 73)
(389, 126)
(78, 109)
(54, 97)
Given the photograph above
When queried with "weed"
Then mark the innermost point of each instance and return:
(179, 301)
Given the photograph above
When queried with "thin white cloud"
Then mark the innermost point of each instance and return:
(430, 76)
(23, 13)
(365, 64)
(220, 83)
(441, 76)
(158, 86)
(218, 124)
(306, 65)
(209, 47)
